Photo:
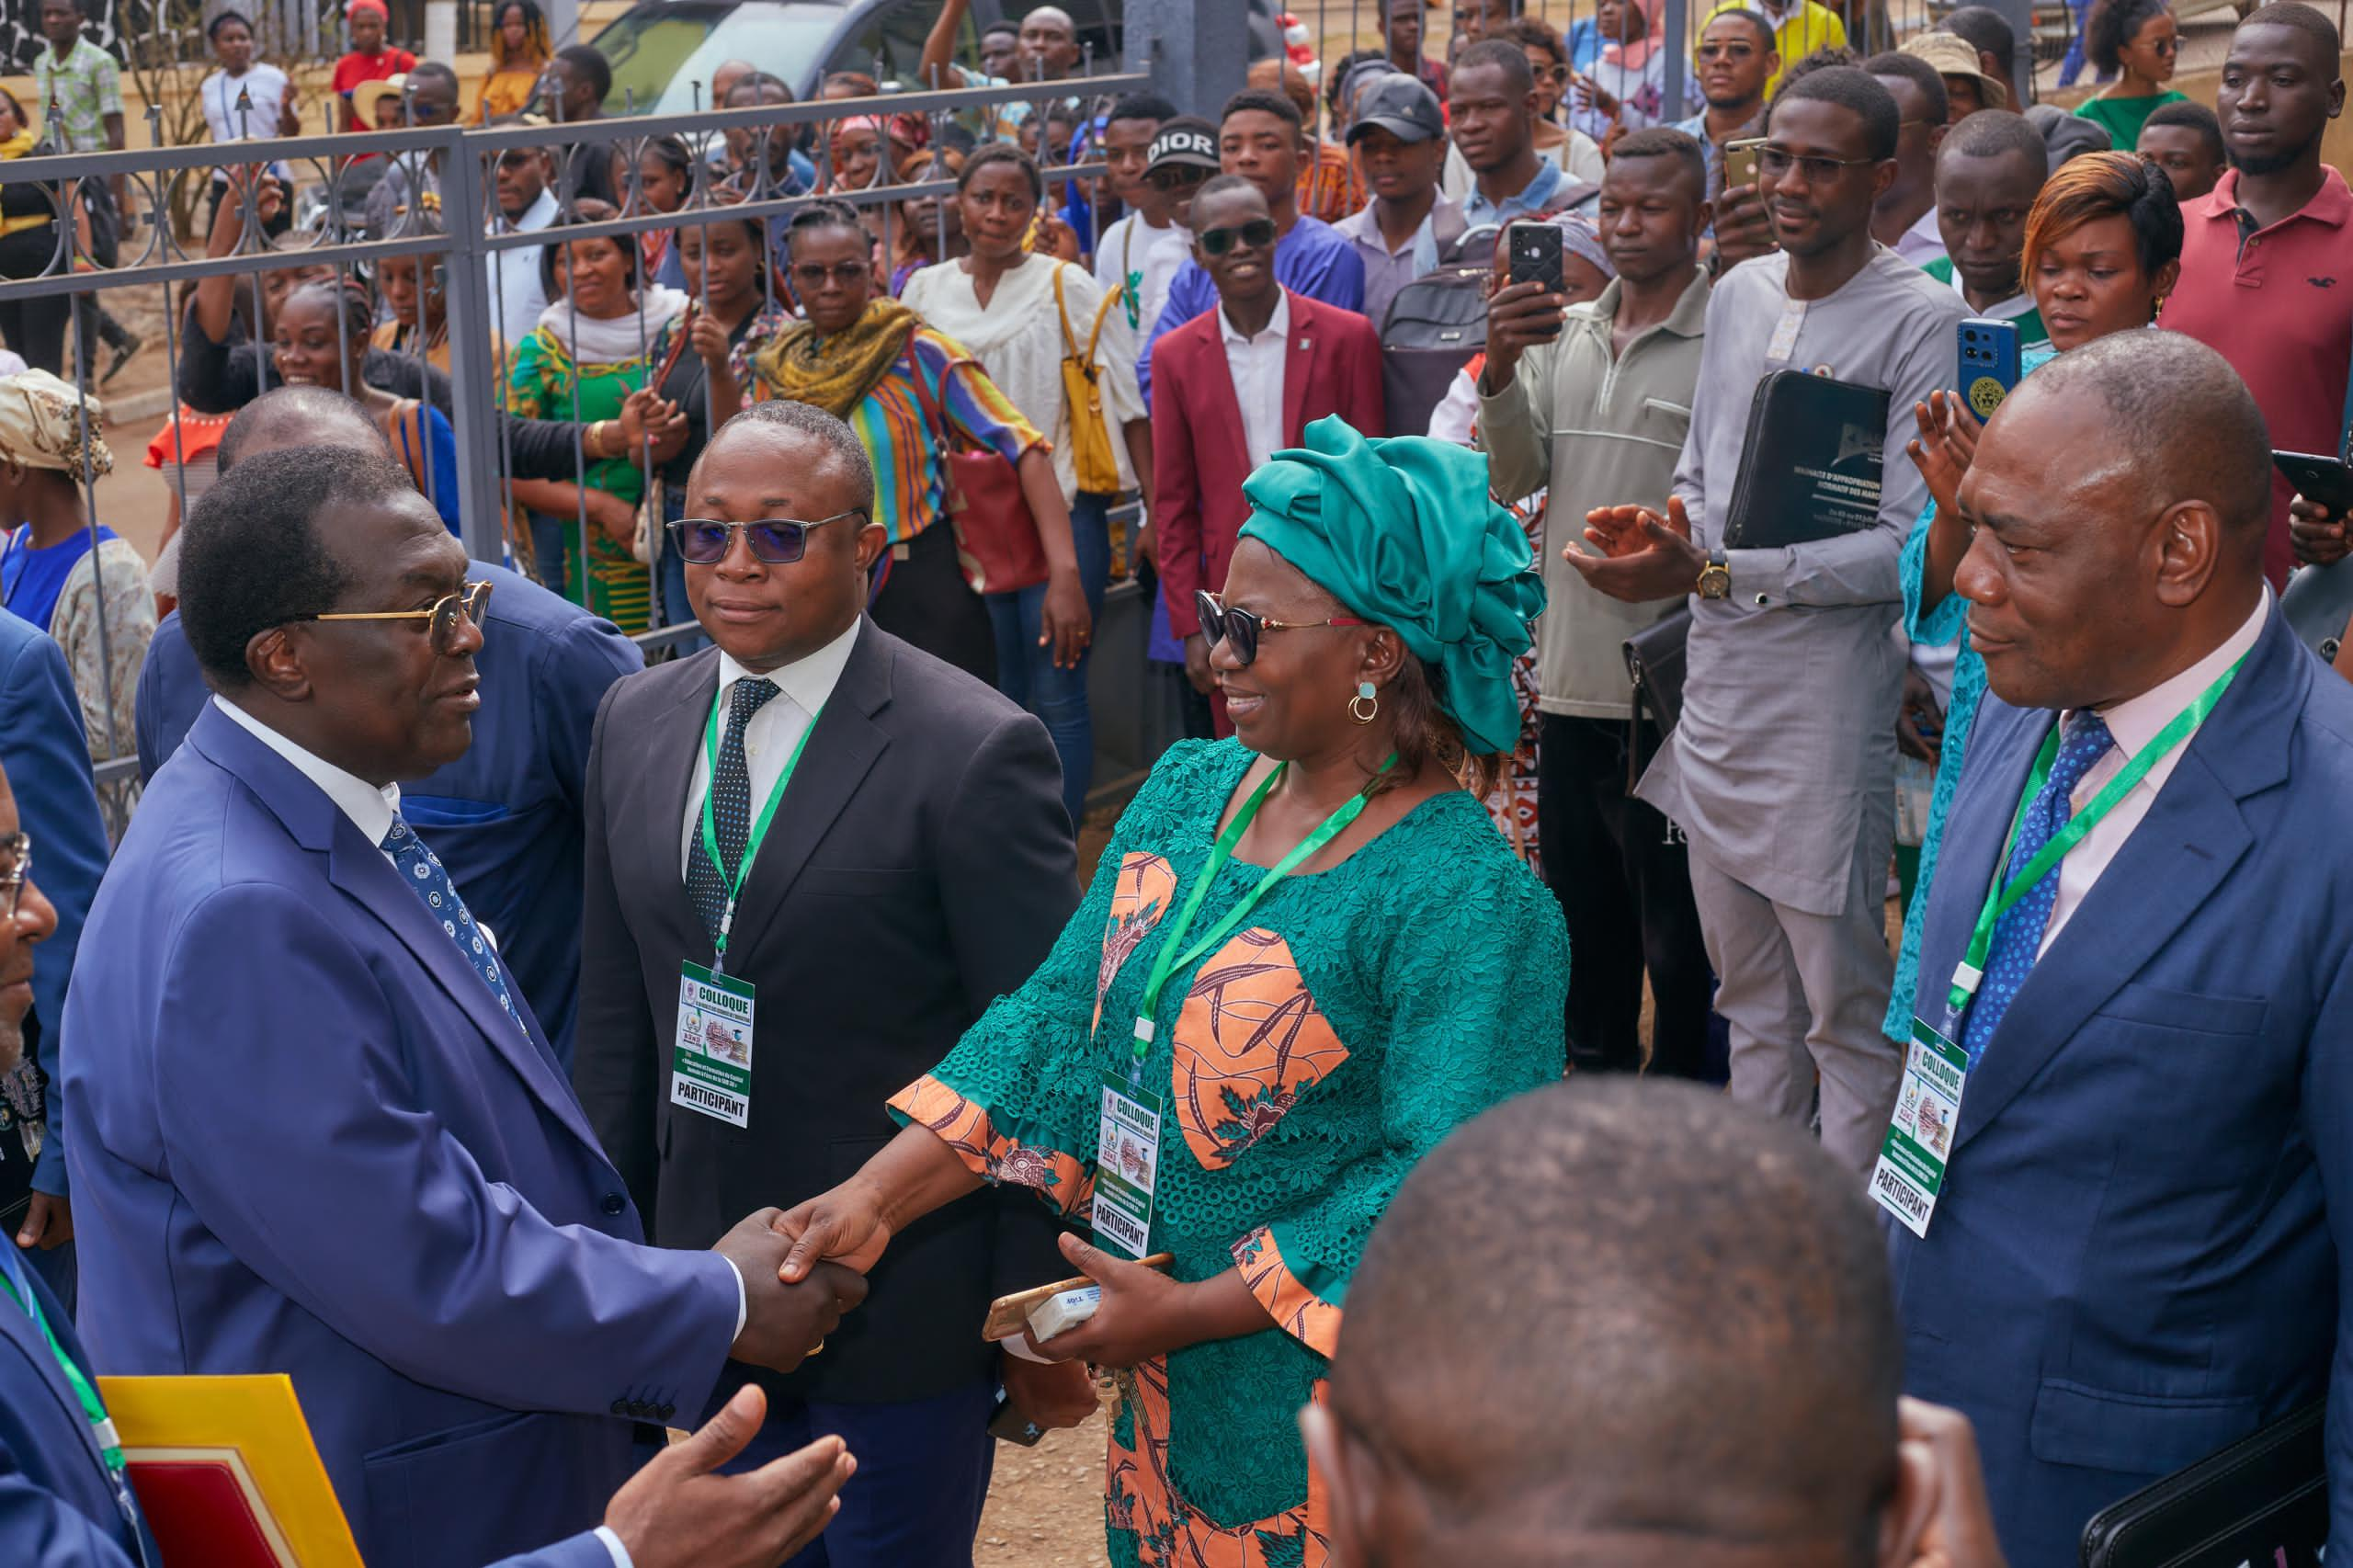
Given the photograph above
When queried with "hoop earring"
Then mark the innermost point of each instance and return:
(1365, 706)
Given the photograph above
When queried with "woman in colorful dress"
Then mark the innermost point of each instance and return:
(1308, 1035)
(2103, 248)
(519, 51)
(589, 353)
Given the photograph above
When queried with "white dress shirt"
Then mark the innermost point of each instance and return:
(770, 734)
(515, 290)
(2135, 723)
(371, 811)
(1256, 365)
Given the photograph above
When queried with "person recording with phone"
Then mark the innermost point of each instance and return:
(1236, 1064)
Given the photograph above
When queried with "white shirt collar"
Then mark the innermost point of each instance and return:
(1277, 325)
(2134, 721)
(370, 810)
(809, 680)
(538, 214)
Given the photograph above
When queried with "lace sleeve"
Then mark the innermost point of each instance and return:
(1475, 985)
(1016, 1098)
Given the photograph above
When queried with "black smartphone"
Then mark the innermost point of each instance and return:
(1010, 1425)
(1988, 363)
(1535, 256)
(2325, 480)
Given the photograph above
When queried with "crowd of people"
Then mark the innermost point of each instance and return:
(1926, 847)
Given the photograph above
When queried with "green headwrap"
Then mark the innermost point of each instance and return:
(1404, 532)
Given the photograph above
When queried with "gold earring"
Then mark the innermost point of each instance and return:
(1365, 706)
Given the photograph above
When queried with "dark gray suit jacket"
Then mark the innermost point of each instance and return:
(919, 864)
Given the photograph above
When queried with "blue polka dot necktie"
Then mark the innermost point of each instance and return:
(2018, 935)
(731, 809)
(421, 870)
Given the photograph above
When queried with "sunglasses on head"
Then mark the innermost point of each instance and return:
(1258, 234)
(780, 542)
(1239, 629)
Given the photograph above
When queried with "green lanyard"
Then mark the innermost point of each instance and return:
(1169, 960)
(2003, 894)
(101, 1424)
(759, 829)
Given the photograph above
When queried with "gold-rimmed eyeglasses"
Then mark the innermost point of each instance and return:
(465, 605)
(15, 865)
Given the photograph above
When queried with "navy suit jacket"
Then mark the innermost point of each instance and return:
(57, 1502)
(2131, 1265)
(306, 1140)
(506, 818)
(48, 763)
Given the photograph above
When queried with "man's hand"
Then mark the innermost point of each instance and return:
(679, 1513)
(1945, 447)
(1519, 316)
(1960, 1532)
(783, 1325)
(2317, 533)
(1060, 1395)
(1636, 555)
(49, 1223)
(1196, 664)
(1744, 229)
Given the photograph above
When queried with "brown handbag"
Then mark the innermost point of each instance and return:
(996, 538)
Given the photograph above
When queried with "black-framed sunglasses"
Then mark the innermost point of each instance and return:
(442, 620)
(1258, 234)
(1239, 629)
(15, 865)
(780, 542)
(1176, 177)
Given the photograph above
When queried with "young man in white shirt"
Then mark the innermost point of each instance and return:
(1141, 252)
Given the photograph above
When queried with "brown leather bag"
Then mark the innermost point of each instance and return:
(996, 538)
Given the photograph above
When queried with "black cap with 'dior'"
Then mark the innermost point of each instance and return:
(1188, 142)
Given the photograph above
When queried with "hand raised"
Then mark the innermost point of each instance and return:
(679, 1513)
(1945, 447)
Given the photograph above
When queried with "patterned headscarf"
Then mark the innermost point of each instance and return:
(1404, 532)
(40, 425)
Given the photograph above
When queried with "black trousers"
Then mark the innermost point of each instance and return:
(34, 328)
(1625, 884)
(926, 601)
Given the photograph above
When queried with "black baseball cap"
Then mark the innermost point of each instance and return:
(1401, 106)
(1188, 142)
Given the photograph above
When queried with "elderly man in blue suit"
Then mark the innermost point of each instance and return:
(313, 1128)
(41, 745)
(506, 817)
(2130, 1262)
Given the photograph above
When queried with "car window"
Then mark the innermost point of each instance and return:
(660, 53)
(888, 45)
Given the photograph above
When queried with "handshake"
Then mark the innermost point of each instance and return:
(783, 1325)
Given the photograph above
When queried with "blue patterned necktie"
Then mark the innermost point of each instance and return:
(730, 808)
(421, 870)
(2018, 935)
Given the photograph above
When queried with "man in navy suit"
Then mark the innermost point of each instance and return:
(2129, 1263)
(41, 745)
(312, 1127)
(506, 817)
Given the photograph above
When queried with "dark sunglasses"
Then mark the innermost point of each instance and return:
(780, 542)
(1258, 234)
(1175, 177)
(1239, 629)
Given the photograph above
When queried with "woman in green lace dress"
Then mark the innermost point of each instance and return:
(1308, 1045)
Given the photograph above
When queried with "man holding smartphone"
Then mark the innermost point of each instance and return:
(1595, 403)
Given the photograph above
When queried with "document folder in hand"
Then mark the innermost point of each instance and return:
(226, 1472)
(1810, 465)
(2261, 1501)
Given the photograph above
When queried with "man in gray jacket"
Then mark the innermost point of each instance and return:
(1595, 403)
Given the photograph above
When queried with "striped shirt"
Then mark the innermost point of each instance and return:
(909, 479)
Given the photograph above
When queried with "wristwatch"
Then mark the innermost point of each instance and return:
(1715, 577)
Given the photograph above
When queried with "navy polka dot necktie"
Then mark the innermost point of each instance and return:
(730, 808)
(2018, 935)
(421, 870)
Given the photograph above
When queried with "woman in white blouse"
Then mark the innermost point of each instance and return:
(1021, 314)
(270, 109)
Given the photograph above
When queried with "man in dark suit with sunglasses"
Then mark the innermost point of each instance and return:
(815, 854)
(1238, 384)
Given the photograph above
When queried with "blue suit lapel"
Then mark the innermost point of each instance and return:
(360, 869)
(23, 1338)
(2194, 834)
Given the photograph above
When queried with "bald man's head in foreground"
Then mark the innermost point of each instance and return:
(298, 416)
(2119, 499)
(1623, 1323)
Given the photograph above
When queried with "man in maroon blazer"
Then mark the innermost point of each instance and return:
(1235, 385)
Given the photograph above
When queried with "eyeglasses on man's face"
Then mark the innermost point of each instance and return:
(15, 865)
(780, 542)
(1778, 160)
(1258, 234)
(442, 620)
